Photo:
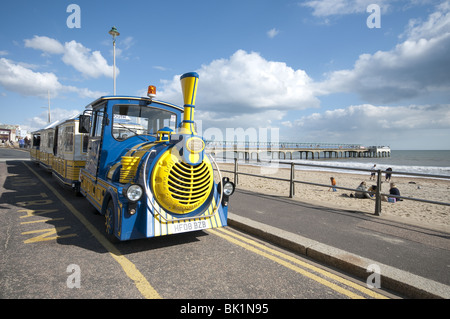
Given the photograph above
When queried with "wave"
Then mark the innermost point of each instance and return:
(432, 170)
(340, 166)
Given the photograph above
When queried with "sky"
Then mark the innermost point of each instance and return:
(370, 72)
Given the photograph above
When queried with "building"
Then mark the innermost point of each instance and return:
(12, 133)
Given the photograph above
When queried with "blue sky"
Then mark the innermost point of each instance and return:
(314, 71)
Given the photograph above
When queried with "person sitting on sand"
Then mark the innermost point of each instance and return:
(360, 193)
(372, 189)
(395, 191)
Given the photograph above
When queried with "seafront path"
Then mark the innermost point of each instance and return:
(411, 259)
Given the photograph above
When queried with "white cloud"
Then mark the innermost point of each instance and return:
(438, 23)
(368, 123)
(37, 122)
(17, 78)
(325, 8)
(160, 68)
(90, 64)
(245, 91)
(247, 83)
(45, 44)
(272, 33)
(367, 116)
(419, 66)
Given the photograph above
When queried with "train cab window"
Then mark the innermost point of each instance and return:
(131, 120)
(97, 127)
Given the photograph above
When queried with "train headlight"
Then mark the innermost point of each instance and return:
(228, 187)
(134, 192)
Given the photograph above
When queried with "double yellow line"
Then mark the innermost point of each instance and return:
(294, 263)
(128, 267)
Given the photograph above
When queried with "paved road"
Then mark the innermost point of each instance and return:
(10, 154)
(414, 259)
(50, 242)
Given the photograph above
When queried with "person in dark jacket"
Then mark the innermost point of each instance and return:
(388, 175)
(395, 191)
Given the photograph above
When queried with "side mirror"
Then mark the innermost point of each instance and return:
(85, 124)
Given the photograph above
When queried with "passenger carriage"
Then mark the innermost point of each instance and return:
(70, 151)
(47, 142)
(35, 146)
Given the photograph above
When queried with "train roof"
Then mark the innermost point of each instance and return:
(126, 97)
(56, 123)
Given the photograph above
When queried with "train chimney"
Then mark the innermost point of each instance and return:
(189, 87)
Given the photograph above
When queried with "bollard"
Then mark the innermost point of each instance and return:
(377, 195)
(292, 185)
(235, 172)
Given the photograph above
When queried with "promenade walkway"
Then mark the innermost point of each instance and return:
(413, 260)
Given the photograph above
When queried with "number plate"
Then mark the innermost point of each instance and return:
(189, 226)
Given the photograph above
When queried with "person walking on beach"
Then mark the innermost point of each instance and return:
(372, 174)
(388, 175)
(333, 183)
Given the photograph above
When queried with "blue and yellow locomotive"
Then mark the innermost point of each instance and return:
(146, 169)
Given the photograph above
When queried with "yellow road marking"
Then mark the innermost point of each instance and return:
(251, 245)
(41, 221)
(46, 233)
(344, 281)
(128, 267)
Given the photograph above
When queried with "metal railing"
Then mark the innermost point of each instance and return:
(377, 192)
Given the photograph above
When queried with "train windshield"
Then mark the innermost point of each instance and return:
(131, 120)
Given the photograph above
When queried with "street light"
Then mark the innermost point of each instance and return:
(43, 107)
(114, 34)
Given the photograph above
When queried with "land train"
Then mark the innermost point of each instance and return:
(140, 163)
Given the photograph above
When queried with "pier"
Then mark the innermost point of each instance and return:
(288, 151)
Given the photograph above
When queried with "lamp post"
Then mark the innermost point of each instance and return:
(114, 34)
(43, 107)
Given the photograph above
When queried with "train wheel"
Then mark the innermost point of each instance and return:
(109, 222)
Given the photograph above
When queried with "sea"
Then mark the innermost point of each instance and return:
(434, 162)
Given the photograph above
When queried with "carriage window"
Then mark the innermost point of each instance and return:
(50, 141)
(36, 140)
(85, 142)
(68, 139)
(130, 120)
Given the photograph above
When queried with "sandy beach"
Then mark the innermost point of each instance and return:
(425, 214)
